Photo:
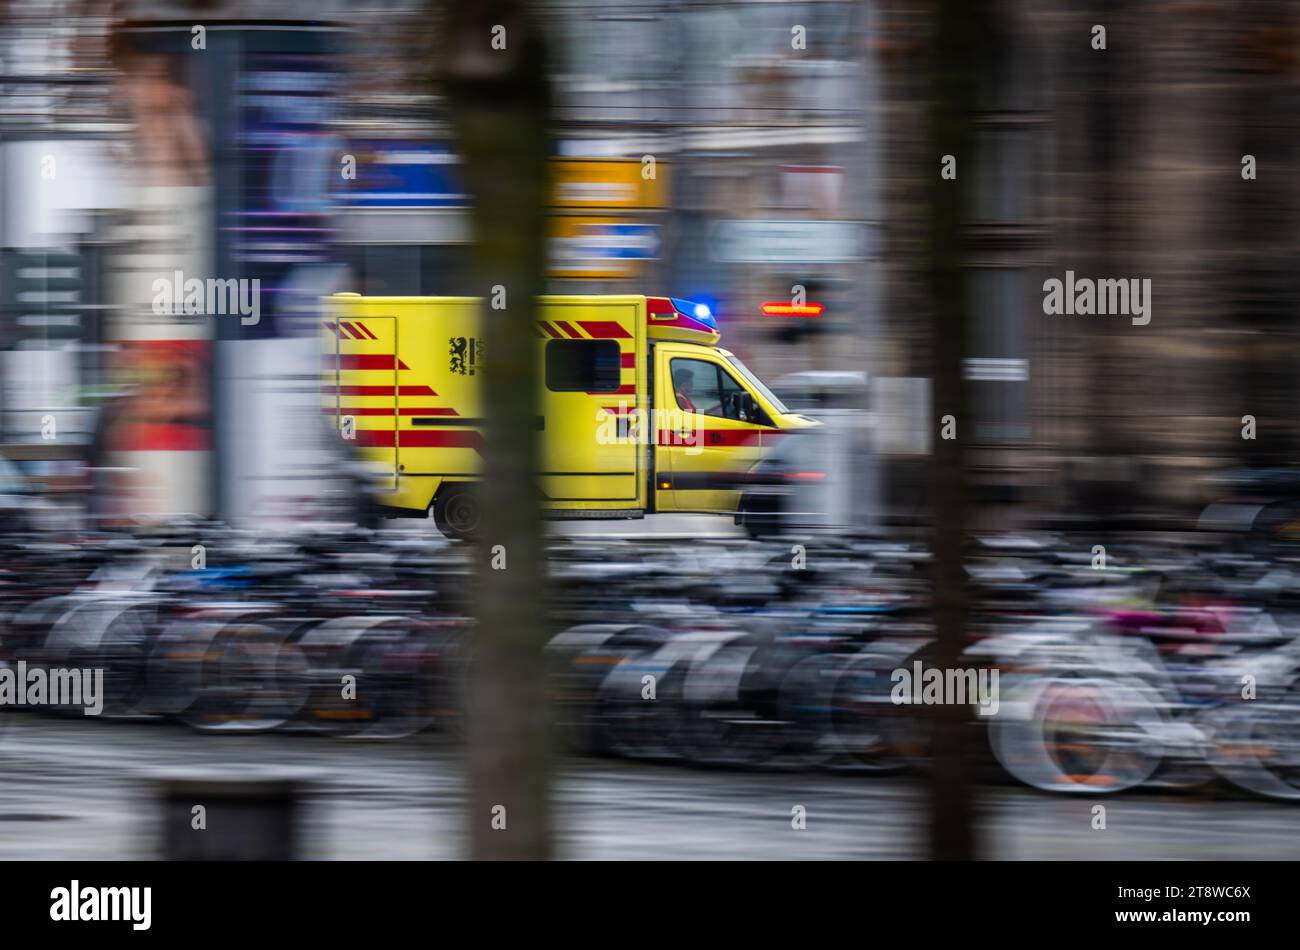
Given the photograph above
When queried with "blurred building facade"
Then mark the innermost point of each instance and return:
(1117, 163)
(733, 153)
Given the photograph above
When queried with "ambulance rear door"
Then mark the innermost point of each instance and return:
(592, 392)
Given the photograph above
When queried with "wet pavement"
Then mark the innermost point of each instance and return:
(77, 789)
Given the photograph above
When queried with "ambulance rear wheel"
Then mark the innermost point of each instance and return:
(458, 512)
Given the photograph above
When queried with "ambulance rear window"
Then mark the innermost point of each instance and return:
(583, 366)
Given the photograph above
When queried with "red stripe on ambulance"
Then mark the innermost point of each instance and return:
(379, 390)
(604, 330)
(367, 361)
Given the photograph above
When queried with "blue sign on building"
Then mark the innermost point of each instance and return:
(402, 174)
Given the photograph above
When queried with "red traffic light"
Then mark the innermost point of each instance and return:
(779, 309)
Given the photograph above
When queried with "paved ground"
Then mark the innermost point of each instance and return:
(76, 789)
(653, 526)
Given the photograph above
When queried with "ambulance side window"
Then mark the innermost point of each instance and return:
(705, 387)
(583, 366)
(695, 387)
(694, 384)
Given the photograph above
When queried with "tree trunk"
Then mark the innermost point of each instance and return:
(956, 60)
(499, 103)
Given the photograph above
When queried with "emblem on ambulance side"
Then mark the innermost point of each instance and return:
(466, 355)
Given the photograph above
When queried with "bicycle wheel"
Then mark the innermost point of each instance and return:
(1257, 746)
(1081, 735)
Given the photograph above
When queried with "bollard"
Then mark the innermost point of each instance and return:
(244, 816)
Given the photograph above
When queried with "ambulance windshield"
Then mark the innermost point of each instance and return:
(758, 384)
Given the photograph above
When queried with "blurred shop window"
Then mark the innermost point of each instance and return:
(742, 58)
(812, 188)
(628, 48)
(1008, 160)
(411, 270)
(712, 39)
(828, 28)
(900, 408)
(388, 269)
(1019, 77)
(446, 270)
(998, 369)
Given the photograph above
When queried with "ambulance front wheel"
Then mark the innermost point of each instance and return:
(458, 512)
(760, 516)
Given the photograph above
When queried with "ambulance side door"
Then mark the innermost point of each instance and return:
(705, 438)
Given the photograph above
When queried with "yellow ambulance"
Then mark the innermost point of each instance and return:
(641, 410)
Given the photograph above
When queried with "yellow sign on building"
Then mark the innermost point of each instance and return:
(630, 183)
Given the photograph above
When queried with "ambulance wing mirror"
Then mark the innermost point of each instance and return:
(750, 410)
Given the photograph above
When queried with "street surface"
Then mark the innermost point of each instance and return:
(77, 789)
